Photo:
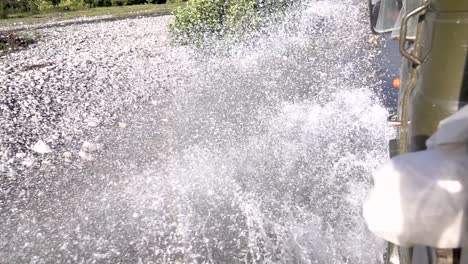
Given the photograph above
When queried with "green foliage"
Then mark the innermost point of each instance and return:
(219, 18)
(243, 16)
(118, 2)
(135, 2)
(23, 8)
(102, 3)
(72, 3)
(8, 6)
(33, 5)
(159, 2)
(89, 3)
(3, 9)
(55, 3)
(198, 17)
(16, 6)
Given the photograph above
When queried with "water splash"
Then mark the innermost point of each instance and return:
(291, 194)
(264, 155)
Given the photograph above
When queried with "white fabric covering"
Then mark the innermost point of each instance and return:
(453, 129)
(421, 197)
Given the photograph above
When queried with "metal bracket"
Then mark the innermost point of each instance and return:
(392, 121)
(404, 30)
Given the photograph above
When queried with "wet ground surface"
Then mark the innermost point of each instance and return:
(117, 146)
(388, 65)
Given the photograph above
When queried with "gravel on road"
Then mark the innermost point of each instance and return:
(78, 79)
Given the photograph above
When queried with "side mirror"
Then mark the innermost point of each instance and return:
(374, 9)
(383, 15)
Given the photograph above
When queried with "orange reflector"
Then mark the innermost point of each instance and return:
(396, 83)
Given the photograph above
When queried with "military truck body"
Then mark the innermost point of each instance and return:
(433, 38)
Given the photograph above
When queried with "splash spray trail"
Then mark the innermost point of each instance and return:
(260, 154)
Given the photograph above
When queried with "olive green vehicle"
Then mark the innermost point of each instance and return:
(433, 37)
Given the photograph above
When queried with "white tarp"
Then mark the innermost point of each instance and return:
(421, 197)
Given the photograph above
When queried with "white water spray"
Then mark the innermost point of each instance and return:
(260, 155)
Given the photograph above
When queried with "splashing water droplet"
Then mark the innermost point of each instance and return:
(255, 152)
